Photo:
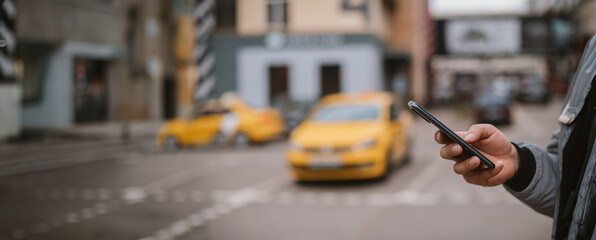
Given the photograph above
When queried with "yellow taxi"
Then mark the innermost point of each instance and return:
(350, 136)
(227, 120)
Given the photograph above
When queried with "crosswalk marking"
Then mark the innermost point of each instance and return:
(225, 201)
(406, 196)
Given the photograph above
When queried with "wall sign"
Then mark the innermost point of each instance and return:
(280, 40)
(483, 36)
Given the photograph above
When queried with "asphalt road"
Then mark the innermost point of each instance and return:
(226, 193)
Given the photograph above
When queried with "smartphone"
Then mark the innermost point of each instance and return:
(468, 149)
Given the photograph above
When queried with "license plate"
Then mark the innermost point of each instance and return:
(325, 161)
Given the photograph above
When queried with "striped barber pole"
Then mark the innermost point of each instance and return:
(203, 55)
(8, 40)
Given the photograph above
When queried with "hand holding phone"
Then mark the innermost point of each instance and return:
(493, 143)
(468, 149)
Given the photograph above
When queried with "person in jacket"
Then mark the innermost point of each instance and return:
(558, 181)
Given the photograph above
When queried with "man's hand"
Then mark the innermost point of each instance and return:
(493, 144)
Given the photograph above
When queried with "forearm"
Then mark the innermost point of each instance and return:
(525, 170)
(540, 192)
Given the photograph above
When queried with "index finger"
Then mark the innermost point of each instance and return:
(442, 138)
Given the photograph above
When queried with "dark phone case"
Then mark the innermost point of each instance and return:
(468, 149)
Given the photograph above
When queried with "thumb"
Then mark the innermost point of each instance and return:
(478, 132)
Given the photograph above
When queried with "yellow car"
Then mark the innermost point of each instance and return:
(224, 121)
(350, 136)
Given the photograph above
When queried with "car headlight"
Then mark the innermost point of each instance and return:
(295, 146)
(364, 145)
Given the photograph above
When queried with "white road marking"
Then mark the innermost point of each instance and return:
(222, 208)
(208, 214)
(134, 195)
(235, 200)
(164, 234)
(329, 199)
(353, 199)
(179, 228)
(195, 220)
(415, 198)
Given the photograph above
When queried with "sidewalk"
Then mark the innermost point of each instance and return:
(47, 149)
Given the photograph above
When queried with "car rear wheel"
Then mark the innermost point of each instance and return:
(408, 156)
(171, 144)
(387, 169)
(241, 140)
(219, 138)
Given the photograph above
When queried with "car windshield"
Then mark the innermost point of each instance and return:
(346, 113)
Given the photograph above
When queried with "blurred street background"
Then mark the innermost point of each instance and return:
(183, 119)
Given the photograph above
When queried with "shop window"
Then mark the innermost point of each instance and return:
(32, 68)
(90, 91)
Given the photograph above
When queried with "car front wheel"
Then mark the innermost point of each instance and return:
(241, 140)
(171, 144)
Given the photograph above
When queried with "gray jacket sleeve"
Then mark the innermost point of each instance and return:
(541, 193)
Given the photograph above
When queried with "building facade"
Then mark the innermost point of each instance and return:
(305, 49)
(92, 61)
(476, 53)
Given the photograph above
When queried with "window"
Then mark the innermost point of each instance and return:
(342, 113)
(277, 11)
(226, 14)
(90, 91)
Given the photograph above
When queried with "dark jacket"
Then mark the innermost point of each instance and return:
(543, 193)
